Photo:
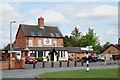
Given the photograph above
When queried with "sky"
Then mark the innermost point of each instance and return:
(101, 16)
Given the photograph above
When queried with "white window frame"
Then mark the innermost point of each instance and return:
(30, 42)
(44, 54)
(54, 43)
(39, 43)
(62, 54)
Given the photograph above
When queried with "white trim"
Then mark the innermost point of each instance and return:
(36, 54)
(30, 42)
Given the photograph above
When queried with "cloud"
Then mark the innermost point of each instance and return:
(112, 32)
(9, 13)
(99, 12)
(51, 17)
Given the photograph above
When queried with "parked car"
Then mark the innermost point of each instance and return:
(30, 60)
(84, 59)
(95, 59)
(101, 59)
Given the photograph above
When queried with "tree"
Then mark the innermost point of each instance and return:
(68, 41)
(77, 40)
(106, 44)
(90, 39)
(75, 36)
(98, 48)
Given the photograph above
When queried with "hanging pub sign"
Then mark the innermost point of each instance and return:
(47, 41)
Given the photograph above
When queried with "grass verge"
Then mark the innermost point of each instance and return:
(95, 73)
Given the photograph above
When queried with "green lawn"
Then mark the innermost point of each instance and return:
(96, 73)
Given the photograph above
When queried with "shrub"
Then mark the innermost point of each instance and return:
(39, 59)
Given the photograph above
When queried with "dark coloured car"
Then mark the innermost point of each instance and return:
(90, 59)
(30, 60)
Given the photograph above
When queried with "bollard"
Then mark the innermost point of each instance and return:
(43, 64)
(82, 63)
(68, 63)
(52, 64)
(60, 63)
(9, 66)
(33, 64)
(75, 63)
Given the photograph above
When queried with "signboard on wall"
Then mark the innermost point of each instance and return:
(47, 41)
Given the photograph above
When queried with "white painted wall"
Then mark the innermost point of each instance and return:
(55, 57)
(36, 54)
(18, 54)
(64, 58)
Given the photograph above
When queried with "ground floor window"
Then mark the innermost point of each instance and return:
(61, 53)
(44, 54)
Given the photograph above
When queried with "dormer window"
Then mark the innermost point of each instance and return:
(39, 34)
(57, 35)
(52, 35)
(32, 33)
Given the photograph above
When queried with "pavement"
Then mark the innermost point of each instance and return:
(30, 72)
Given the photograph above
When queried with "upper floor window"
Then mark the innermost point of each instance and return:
(39, 43)
(32, 33)
(39, 34)
(52, 35)
(54, 43)
(30, 43)
(57, 35)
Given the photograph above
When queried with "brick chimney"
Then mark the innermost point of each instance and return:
(41, 22)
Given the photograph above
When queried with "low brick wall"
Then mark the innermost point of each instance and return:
(4, 65)
(15, 64)
(19, 64)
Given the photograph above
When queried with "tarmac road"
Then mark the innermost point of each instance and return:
(30, 72)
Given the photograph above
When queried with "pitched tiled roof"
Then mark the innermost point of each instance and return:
(7, 47)
(77, 50)
(114, 45)
(47, 31)
(74, 49)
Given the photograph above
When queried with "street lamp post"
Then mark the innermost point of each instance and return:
(10, 66)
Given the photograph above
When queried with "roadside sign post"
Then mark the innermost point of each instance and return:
(88, 48)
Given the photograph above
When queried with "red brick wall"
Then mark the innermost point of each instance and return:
(19, 64)
(20, 39)
(15, 63)
(80, 55)
(4, 65)
(35, 41)
(111, 50)
(41, 22)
